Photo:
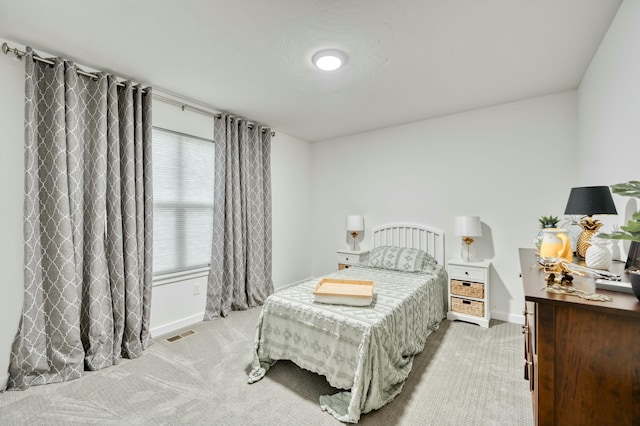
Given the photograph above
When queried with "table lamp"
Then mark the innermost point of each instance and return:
(467, 227)
(354, 224)
(587, 201)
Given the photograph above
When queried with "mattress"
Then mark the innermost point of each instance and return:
(366, 351)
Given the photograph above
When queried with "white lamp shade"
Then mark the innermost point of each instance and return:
(467, 226)
(354, 223)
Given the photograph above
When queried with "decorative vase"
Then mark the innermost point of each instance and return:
(634, 277)
(572, 225)
(598, 255)
(556, 244)
(538, 240)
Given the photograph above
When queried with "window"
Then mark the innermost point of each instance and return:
(183, 176)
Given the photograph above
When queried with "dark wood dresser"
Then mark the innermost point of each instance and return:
(582, 358)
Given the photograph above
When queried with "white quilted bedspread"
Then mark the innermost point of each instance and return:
(368, 351)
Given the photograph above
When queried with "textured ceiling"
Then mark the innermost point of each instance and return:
(408, 59)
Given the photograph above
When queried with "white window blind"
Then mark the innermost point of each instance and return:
(183, 176)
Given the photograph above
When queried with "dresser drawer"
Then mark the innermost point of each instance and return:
(467, 288)
(467, 273)
(468, 307)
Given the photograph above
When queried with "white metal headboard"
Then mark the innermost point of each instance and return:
(421, 237)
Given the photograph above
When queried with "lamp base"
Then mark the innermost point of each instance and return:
(354, 235)
(468, 253)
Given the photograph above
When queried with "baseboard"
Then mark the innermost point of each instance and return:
(292, 284)
(176, 325)
(503, 316)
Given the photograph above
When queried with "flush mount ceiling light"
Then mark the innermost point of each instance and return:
(329, 59)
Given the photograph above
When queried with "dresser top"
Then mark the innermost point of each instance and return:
(534, 284)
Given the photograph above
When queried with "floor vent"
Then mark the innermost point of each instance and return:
(180, 336)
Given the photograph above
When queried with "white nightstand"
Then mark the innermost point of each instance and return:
(469, 292)
(348, 257)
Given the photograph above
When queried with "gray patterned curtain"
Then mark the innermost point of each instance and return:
(87, 224)
(240, 275)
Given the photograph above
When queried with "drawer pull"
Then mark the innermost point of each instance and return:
(466, 272)
(466, 284)
(466, 302)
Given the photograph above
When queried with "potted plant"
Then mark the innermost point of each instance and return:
(548, 221)
(631, 231)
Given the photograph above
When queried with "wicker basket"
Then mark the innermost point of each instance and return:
(468, 307)
(467, 288)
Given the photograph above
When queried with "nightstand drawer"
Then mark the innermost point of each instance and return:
(467, 273)
(347, 258)
(467, 288)
(352, 258)
(468, 307)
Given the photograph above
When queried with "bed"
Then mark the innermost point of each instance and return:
(365, 351)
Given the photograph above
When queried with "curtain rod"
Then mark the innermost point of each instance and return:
(184, 106)
(19, 54)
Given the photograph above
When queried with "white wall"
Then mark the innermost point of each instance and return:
(509, 164)
(12, 192)
(609, 110)
(291, 195)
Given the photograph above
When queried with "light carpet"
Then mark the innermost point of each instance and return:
(466, 375)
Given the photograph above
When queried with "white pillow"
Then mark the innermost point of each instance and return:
(400, 259)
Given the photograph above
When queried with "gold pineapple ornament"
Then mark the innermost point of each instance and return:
(589, 227)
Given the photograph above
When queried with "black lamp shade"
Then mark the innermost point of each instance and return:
(590, 200)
